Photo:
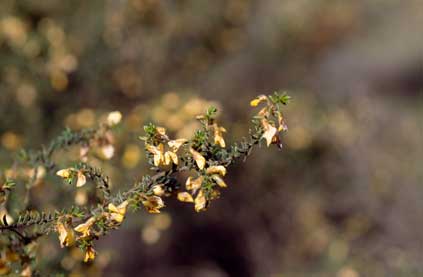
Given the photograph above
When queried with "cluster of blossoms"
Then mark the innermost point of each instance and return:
(204, 158)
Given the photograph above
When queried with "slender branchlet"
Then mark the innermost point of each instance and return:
(205, 157)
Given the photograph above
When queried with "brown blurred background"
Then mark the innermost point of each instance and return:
(344, 197)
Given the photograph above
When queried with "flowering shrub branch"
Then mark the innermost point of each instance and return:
(205, 158)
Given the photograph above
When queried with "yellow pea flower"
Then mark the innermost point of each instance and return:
(118, 213)
(185, 197)
(157, 152)
(65, 173)
(89, 254)
(68, 172)
(171, 157)
(194, 184)
(269, 132)
(82, 180)
(255, 102)
(153, 204)
(176, 144)
(218, 135)
(199, 159)
(114, 118)
(158, 190)
(66, 234)
(219, 181)
(219, 169)
(200, 202)
(84, 228)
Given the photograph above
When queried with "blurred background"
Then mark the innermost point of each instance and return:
(343, 198)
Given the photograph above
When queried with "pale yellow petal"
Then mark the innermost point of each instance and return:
(220, 169)
(176, 144)
(200, 202)
(219, 181)
(199, 159)
(64, 173)
(81, 179)
(194, 184)
(185, 197)
(89, 254)
(269, 132)
(84, 228)
(66, 235)
(158, 190)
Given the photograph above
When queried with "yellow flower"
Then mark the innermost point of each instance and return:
(258, 100)
(69, 172)
(270, 132)
(66, 234)
(65, 173)
(200, 202)
(218, 136)
(89, 254)
(185, 197)
(118, 213)
(176, 144)
(114, 118)
(194, 184)
(81, 179)
(160, 157)
(219, 181)
(84, 228)
(158, 190)
(170, 157)
(153, 204)
(199, 159)
(161, 131)
(219, 169)
(157, 152)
